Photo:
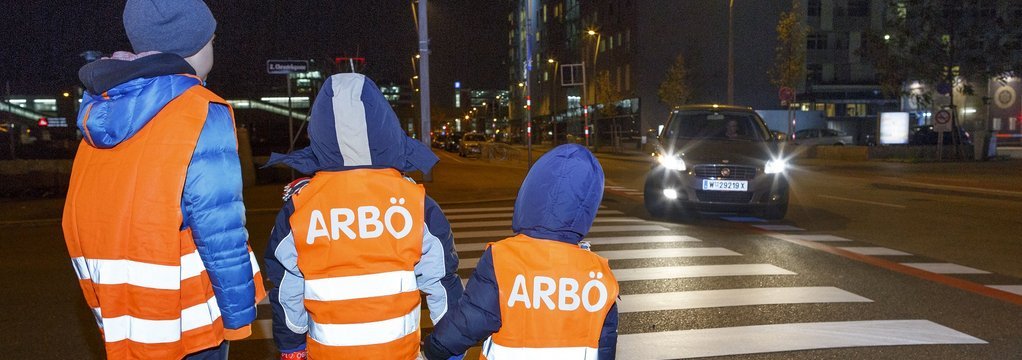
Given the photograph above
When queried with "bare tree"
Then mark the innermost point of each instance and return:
(675, 90)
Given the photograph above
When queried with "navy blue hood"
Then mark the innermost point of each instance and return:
(560, 196)
(353, 126)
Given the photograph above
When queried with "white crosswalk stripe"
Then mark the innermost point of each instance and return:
(630, 239)
(507, 223)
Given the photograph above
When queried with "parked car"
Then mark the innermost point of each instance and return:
(452, 142)
(822, 137)
(924, 135)
(439, 141)
(719, 159)
(471, 144)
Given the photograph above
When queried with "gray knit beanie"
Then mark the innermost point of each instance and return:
(181, 27)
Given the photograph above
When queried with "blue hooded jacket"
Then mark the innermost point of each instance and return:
(557, 202)
(122, 97)
(353, 126)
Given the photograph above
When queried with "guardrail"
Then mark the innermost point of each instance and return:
(493, 151)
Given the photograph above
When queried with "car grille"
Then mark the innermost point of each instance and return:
(740, 197)
(737, 172)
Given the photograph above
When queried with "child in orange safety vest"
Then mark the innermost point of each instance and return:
(540, 294)
(354, 246)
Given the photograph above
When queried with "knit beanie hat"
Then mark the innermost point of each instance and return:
(181, 27)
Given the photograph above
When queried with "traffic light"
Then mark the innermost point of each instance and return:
(43, 122)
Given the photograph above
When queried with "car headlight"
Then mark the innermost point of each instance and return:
(671, 162)
(775, 166)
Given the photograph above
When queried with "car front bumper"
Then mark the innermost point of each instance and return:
(763, 190)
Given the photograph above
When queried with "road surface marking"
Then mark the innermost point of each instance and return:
(945, 268)
(743, 219)
(965, 188)
(875, 250)
(640, 239)
(735, 297)
(479, 210)
(787, 337)
(601, 241)
(863, 201)
(507, 223)
(694, 271)
(485, 210)
(595, 229)
(508, 215)
(908, 270)
(817, 237)
(470, 263)
(778, 227)
(1014, 289)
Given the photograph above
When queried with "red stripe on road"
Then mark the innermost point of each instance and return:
(908, 270)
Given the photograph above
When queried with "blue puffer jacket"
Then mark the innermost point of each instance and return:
(124, 96)
(380, 144)
(557, 202)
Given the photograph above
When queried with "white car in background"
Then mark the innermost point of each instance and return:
(822, 137)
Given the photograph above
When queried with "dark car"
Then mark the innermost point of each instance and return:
(453, 141)
(439, 141)
(924, 135)
(715, 158)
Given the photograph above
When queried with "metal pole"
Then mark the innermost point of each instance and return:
(528, 79)
(585, 105)
(730, 53)
(13, 127)
(427, 176)
(290, 122)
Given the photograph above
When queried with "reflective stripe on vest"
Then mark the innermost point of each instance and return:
(556, 295)
(377, 332)
(139, 272)
(358, 235)
(360, 286)
(492, 351)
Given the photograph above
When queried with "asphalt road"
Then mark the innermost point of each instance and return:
(885, 261)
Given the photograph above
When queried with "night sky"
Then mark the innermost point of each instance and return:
(40, 41)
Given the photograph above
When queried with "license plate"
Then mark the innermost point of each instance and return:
(725, 185)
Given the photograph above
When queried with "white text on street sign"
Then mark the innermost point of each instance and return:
(282, 67)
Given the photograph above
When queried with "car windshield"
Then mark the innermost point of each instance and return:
(716, 125)
(474, 137)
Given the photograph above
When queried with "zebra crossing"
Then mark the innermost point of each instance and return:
(623, 239)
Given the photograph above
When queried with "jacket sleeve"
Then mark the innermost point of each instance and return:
(608, 336)
(436, 274)
(213, 209)
(290, 319)
(476, 317)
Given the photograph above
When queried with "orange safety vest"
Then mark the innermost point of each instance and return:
(358, 235)
(140, 273)
(554, 298)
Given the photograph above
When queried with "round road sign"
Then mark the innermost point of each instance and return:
(942, 121)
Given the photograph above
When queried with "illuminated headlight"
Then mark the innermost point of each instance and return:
(775, 166)
(671, 194)
(671, 162)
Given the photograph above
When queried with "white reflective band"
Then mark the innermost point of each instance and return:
(370, 333)
(153, 276)
(128, 327)
(191, 265)
(493, 351)
(255, 263)
(360, 286)
(141, 330)
(200, 315)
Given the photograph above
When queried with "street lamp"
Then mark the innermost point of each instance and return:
(730, 53)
